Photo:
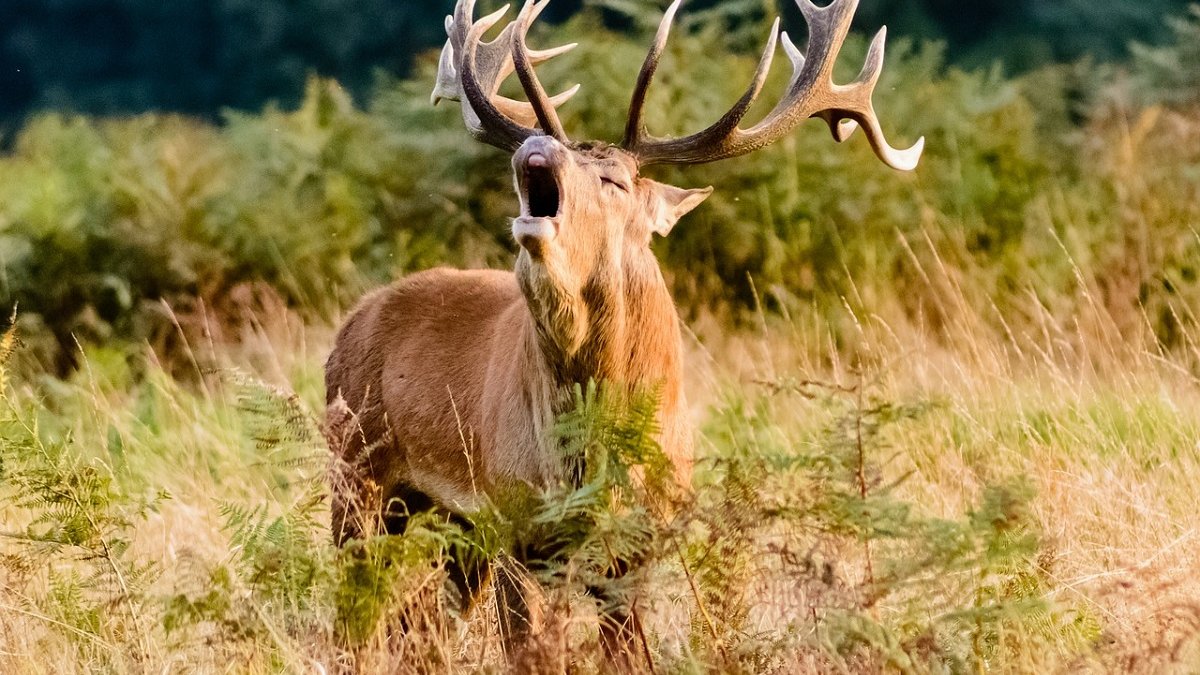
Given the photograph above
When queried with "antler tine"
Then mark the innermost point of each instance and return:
(492, 64)
(904, 160)
(714, 142)
(499, 51)
(635, 127)
(523, 62)
(485, 122)
(447, 86)
(539, 56)
(843, 129)
(810, 93)
(794, 55)
(490, 71)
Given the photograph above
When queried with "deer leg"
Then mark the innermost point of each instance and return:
(352, 517)
(621, 634)
(468, 569)
(344, 520)
(621, 637)
(517, 620)
(358, 511)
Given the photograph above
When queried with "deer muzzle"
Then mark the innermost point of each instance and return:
(539, 166)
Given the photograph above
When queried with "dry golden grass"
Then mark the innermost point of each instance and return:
(1104, 427)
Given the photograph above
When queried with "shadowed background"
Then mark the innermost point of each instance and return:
(199, 56)
(181, 152)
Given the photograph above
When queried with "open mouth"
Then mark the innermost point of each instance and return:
(541, 204)
(542, 194)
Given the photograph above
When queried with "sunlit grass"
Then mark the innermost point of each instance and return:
(1110, 456)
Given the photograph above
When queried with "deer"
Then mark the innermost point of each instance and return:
(453, 379)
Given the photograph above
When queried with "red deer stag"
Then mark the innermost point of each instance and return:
(453, 378)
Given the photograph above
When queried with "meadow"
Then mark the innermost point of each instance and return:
(948, 421)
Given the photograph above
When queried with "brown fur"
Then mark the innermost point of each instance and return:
(455, 377)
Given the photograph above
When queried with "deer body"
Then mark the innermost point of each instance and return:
(458, 378)
(434, 360)
(442, 388)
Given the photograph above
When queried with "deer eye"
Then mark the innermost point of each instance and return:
(615, 183)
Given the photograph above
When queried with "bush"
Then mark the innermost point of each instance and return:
(102, 219)
(1164, 71)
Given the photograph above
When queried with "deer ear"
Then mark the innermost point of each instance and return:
(670, 203)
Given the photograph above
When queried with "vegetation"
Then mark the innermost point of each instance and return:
(950, 512)
(100, 219)
(131, 56)
(949, 420)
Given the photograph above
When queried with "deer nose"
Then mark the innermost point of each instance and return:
(540, 152)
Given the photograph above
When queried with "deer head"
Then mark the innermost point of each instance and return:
(587, 214)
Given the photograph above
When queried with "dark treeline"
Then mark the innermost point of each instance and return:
(199, 56)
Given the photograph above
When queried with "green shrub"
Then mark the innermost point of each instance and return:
(100, 220)
(1167, 73)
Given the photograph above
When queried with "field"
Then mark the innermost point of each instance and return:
(947, 421)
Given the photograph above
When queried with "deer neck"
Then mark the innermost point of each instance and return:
(619, 326)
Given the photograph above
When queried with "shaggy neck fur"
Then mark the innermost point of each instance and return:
(620, 325)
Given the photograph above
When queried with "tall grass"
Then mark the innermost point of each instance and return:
(1008, 506)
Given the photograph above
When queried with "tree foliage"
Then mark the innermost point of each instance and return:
(120, 56)
(117, 56)
(103, 220)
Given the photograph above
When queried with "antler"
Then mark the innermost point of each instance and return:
(471, 71)
(811, 93)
